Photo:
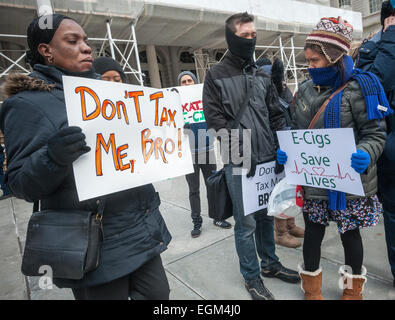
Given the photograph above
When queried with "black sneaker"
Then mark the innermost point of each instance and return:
(196, 232)
(222, 224)
(257, 290)
(282, 273)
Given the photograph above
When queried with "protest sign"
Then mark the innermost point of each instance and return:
(321, 158)
(191, 102)
(257, 189)
(135, 134)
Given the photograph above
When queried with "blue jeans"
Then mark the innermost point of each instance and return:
(389, 226)
(258, 223)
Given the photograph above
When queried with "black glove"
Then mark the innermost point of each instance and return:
(278, 168)
(251, 173)
(67, 145)
(278, 75)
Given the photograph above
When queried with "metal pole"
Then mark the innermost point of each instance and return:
(13, 64)
(294, 63)
(281, 48)
(110, 39)
(137, 55)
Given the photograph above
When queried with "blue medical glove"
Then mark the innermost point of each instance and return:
(281, 157)
(360, 161)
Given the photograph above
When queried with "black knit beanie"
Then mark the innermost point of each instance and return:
(104, 64)
(41, 30)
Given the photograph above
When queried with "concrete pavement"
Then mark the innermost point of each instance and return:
(202, 268)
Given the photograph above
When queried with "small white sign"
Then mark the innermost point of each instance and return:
(191, 102)
(257, 189)
(321, 158)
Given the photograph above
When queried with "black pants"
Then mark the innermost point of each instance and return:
(313, 236)
(149, 282)
(201, 162)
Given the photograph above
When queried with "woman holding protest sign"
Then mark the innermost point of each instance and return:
(339, 96)
(41, 148)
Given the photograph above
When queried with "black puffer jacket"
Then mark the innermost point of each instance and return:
(378, 57)
(224, 92)
(134, 230)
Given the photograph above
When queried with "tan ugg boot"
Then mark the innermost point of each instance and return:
(311, 283)
(352, 284)
(293, 229)
(282, 236)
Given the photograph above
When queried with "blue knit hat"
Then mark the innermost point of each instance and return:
(184, 73)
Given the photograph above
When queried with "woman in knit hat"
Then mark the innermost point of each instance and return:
(109, 69)
(354, 105)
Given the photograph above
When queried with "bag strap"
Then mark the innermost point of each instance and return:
(250, 91)
(325, 104)
(100, 207)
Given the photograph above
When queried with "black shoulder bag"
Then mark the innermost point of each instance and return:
(66, 240)
(220, 202)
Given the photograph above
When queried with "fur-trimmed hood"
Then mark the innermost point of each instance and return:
(18, 82)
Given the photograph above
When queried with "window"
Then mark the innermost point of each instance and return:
(375, 5)
(344, 3)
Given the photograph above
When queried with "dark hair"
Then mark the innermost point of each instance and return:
(339, 64)
(238, 18)
(36, 35)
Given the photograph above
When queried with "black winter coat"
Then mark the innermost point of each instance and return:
(224, 92)
(134, 230)
(378, 57)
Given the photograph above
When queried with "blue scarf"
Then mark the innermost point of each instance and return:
(373, 93)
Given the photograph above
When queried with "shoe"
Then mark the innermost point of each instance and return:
(293, 229)
(353, 284)
(282, 273)
(311, 283)
(282, 237)
(196, 232)
(257, 290)
(222, 224)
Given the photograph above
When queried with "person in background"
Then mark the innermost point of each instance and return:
(377, 55)
(109, 69)
(204, 160)
(354, 106)
(285, 230)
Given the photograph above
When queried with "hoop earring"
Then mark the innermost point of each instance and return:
(50, 59)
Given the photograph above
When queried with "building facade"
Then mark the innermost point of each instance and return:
(370, 10)
(154, 40)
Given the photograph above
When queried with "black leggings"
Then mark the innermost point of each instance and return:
(149, 282)
(313, 236)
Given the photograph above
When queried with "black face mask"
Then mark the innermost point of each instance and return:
(241, 47)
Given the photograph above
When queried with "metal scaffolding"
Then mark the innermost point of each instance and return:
(286, 51)
(123, 49)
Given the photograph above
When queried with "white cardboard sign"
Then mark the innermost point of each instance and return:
(257, 189)
(191, 102)
(321, 158)
(135, 134)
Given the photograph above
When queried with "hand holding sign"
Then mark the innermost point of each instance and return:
(136, 133)
(319, 159)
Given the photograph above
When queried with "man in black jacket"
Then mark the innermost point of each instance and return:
(377, 56)
(225, 90)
